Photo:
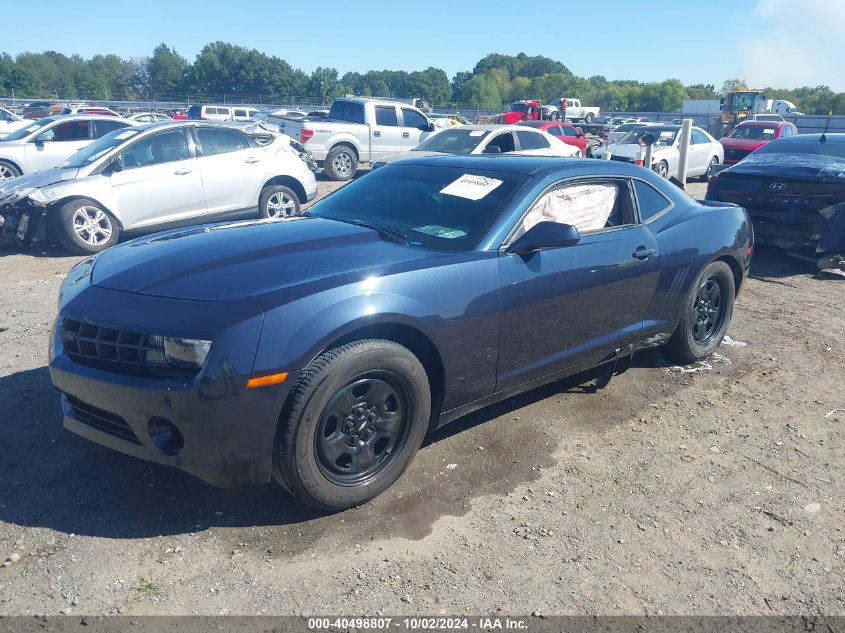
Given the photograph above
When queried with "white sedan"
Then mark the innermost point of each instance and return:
(704, 151)
(9, 122)
(488, 139)
(49, 141)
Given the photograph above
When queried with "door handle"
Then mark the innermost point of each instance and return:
(643, 253)
(406, 134)
(251, 160)
(182, 172)
(376, 133)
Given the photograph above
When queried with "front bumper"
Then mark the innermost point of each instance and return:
(227, 430)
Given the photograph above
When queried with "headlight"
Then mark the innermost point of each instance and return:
(186, 352)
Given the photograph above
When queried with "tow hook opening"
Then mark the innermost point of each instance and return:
(165, 436)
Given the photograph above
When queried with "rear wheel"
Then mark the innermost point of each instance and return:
(706, 315)
(554, 116)
(706, 175)
(358, 416)
(82, 226)
(8, 171)
(662, 169)
(278, 201)
(341, 163)
(589, 117)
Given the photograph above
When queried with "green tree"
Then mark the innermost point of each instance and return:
(731, 85)
(481, 92)
(324, 85)
(166, 71)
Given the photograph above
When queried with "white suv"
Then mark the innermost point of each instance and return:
(152, 177)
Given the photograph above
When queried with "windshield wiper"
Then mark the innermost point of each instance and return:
(393, 234)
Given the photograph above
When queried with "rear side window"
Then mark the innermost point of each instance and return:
(650, 200)
(213, 141)
(386, 115)
(414, 119)
(350, 111)
(532, 140)
(101, 128)
(568, 131)
(699, 137)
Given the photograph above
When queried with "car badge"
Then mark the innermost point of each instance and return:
(778, 186)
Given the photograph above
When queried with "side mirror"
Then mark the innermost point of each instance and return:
(545, 235)
(428, 128)
(117, 163)
(492, 149)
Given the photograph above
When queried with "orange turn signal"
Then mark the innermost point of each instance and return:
(270, 379)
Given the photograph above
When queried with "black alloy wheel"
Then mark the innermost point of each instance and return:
(708, 312)
(362, 428)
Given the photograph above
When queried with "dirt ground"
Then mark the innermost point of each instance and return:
(713, 489)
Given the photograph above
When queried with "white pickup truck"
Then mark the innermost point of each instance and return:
(575, 111)
(359, 131)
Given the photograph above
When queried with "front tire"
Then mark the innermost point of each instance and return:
(84, 227)
(278, 201)
(357, 417)
(662, 169)
(706, 315)
(341, 163)
(554, 116)
(8, 171)
(706, 175)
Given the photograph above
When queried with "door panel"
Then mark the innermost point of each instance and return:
(412, 132)
(232, 170)
(565, 306)
(387, 135)
(158, 194)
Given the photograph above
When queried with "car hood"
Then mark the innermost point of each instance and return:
(226, 262)
(801, 166)
(741, 143)
(35, 180)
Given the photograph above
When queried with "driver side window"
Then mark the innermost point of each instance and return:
(503, 141)
(588, 206)
(161, 148)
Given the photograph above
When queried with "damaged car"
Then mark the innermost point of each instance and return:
(47, 142)
(147, 178)
(794, 191)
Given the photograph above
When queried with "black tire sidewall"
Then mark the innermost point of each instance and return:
(334, 152)
(683, 344)
(68, 237)
(11, 167)
(268, 192)
(662, 167)
(303, 476)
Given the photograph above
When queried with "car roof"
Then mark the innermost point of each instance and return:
(527, 165)
(84, 117)
(763, 123)
(487, 127)
(830, 137)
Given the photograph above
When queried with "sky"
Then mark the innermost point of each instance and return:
(780, 43)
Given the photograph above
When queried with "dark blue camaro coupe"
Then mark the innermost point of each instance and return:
(319, 350)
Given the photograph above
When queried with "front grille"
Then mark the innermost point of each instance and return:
(736, 154)
(120, 351)
(100, 420)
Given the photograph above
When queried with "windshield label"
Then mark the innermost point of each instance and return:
(471, 187)
(477, 133)
(769, 131)
(441, 231)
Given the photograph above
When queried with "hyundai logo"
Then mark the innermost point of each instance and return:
(778, 186)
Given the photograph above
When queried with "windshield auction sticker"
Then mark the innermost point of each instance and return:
(471, 187)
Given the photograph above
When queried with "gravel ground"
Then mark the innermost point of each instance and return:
(711, 489)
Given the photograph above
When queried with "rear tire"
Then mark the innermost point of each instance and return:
(84, 227)
(8, 171)
(356, 419)
(278, 201)
(554, 116)
(706, 175)
(706, 315)
(341, 163)
(588, 118)
(662, 169)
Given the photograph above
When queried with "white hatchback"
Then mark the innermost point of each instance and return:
(157, 176)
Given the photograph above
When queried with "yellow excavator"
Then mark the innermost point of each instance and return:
(738, 105)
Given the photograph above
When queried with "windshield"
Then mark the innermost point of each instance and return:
(833, 149)
(756, 132)
(23, 132)
(665, 135)
(99, 148)
(455, 141)
(439, 208)
(519, 107)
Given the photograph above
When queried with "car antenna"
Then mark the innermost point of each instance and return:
(823, 138)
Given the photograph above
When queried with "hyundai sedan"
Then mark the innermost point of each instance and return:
(318, 351)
